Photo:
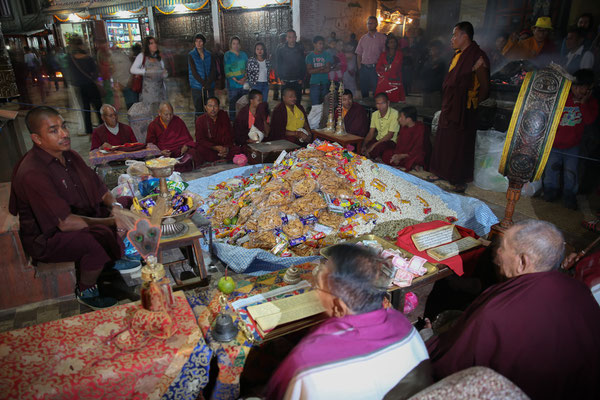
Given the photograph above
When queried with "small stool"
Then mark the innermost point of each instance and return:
(58, 279)
(190, 240)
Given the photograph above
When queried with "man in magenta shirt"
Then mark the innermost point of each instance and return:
(369, 48)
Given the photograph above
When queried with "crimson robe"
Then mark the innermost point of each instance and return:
(172, 138)
(410, 141)
(540, 330)
(102, 135)
(453, 154)
(390, 81)
(240, 126)
(211, 133)
(356, 121)
(279, 123)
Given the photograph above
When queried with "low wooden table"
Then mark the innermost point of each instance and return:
(193, 252)
(397, 294)
(344, 140)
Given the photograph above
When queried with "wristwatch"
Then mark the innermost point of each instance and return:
(117, 204)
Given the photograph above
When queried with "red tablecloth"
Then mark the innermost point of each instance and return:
(99, 158)
(462, 264)
(70, 358)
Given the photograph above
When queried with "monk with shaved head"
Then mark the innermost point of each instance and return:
(170, 134)
(64, 209)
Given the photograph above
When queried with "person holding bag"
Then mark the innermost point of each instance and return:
(389, 71)
(151, 68)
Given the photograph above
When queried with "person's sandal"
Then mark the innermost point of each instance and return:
(459, 188)
(593, 226)
(433, 178)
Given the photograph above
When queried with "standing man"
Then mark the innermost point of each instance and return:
(291, 68)
(465, 86)
(202, 73)
(369, 48)
(577, 57)
(318, 64)
(65, 211)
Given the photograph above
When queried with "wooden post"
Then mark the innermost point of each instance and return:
(513, 194)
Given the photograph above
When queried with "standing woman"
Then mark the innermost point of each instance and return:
(150, 65)
(235, 72)
(258, 70)
(389, 71)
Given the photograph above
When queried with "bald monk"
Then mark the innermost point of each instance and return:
(289, 120)
(111, 132)
(356, 121)
(214, 135)
(170, 134)
(65, 210)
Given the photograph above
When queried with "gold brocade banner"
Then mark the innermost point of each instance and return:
(533, 125)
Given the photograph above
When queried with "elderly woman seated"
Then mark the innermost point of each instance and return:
(363, 350)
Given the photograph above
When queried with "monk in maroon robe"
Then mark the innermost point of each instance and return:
(170, 134)
(410, 144)
(356, 121)
(64, 208)
(465, 86)
(282, 128)
(540, 328)
(255, 113)
(214, 137)
(111, 132)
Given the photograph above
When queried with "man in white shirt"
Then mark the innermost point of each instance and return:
(577, 57)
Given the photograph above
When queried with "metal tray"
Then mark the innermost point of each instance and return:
(431, 268)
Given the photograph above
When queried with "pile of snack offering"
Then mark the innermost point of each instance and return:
(313, 198)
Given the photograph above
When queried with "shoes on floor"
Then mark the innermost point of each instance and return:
(127, 266)
(550, 195)
(91, 297)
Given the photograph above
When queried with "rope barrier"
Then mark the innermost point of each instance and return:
(90, 111)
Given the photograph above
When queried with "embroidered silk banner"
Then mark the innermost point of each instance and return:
(534, 121)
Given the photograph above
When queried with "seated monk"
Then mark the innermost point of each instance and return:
(170, 134)
(410, 144)
(214, 139)
(363, 350)
(383, 129)
(540, 328)
(65, 210)
(287, 120)
(255, 113)
(111, 132)
(356, 121)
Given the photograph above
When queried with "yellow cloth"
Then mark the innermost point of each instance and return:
(472, 100)
(344, 112)
(295, 119)
(522, 50)
(385, 124)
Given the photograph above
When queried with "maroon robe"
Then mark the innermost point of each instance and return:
(211, 133)
(44, 192)
(240, 126)
(540, 330)
(279, 123)
(453, 154)
(173, 138)
(356, 121)
(102, 135)
(410, 141)
(390, 81)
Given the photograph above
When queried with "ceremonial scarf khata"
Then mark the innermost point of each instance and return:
(534, 121)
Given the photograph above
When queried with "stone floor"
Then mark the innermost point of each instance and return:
(568, 221)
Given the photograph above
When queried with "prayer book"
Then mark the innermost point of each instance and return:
(443, 242)
(272, 314)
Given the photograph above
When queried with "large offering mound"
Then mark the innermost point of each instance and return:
(313, 198)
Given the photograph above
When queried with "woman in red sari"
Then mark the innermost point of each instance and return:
(389, 71)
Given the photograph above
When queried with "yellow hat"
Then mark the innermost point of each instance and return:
(544, 23)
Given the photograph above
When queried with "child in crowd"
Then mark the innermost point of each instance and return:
(410, 144)
(318, 64)
(580, 110)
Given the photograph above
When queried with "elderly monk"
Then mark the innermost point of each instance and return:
(363, 350)
(111, 132)
(254, 114)
(466, 85)
(356, 121)
(65, 211)
(214, 138)
(170, 134)
(383, 130)
(289, 120)
(540, 328)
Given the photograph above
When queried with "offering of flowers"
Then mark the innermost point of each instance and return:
(313, 198)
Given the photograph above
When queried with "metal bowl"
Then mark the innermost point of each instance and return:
(177, 218)
(161, 172)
